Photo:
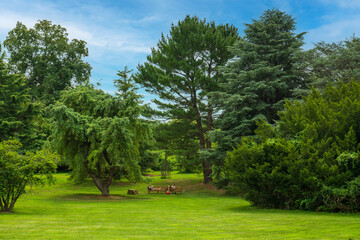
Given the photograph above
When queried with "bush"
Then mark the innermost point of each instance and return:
(16, 171)
(310, 160)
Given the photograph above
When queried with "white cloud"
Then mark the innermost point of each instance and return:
(336, 31)
(343, 3)
(8, 20)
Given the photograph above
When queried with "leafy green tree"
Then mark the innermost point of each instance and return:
(47, 58)
(333, 62)
(16, 171)
(20, 116)
(184, 68)
(263, 73)
(100, 135)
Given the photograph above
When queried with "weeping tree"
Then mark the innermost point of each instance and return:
(99, 134)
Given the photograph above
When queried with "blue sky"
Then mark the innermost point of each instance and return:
(120, 33)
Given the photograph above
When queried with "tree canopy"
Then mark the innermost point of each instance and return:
(262, 74)
(184, 68)
(20, 116)
(49, 61)
(100, 135)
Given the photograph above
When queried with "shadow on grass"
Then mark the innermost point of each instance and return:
(94, 197)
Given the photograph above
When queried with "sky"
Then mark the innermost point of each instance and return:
(121, 33)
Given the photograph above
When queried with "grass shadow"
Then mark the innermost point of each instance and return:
(94, 197)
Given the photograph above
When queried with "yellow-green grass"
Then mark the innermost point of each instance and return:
(69, 211)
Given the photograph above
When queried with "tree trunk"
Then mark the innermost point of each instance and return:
(105, 191)
(206, 166)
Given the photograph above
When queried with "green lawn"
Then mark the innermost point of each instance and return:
(69, 211)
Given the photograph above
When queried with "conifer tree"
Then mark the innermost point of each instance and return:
(260, 76)
(183, 69)
(263, 73)
(20, 116)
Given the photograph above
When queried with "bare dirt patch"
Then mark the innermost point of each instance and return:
(151, 175)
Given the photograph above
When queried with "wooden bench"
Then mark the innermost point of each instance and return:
(163, 189)
(178, 189)
(157, 189)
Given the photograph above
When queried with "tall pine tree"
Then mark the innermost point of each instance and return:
(183, 69)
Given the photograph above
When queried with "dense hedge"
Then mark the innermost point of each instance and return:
(310, 160)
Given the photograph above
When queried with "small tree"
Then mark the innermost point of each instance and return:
(16, 171)
(100, 135)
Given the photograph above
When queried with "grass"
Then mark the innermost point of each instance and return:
(69, 211)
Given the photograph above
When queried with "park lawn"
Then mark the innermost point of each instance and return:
(69, 211)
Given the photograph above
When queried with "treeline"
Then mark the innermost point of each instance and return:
(256, 113)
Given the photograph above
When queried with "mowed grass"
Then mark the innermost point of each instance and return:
(70, 211)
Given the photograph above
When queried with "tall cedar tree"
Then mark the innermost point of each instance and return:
(48, 59)
(99, 134)
(259, 78)
(20, 116)
(183, 69)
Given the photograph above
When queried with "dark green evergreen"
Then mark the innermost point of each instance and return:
(183, 68)
(310, 160)
(47, 58)
(20, 115)
(263, 73)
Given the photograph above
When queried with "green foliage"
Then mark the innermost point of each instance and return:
(47, 58)
(183, 69)
(16, 171)
(179, 137)
(333, 62)
(262, 74)
(100, 135)
(310, 160)
(20, 117)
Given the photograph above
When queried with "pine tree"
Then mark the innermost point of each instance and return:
(184, 68)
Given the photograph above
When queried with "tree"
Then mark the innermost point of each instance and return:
(100, 135)
(20, 116)
(16, 171)
(130, 100)
(333, 62)
(179, 137)
(47, 58)
(184, 68)
(263, 73)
